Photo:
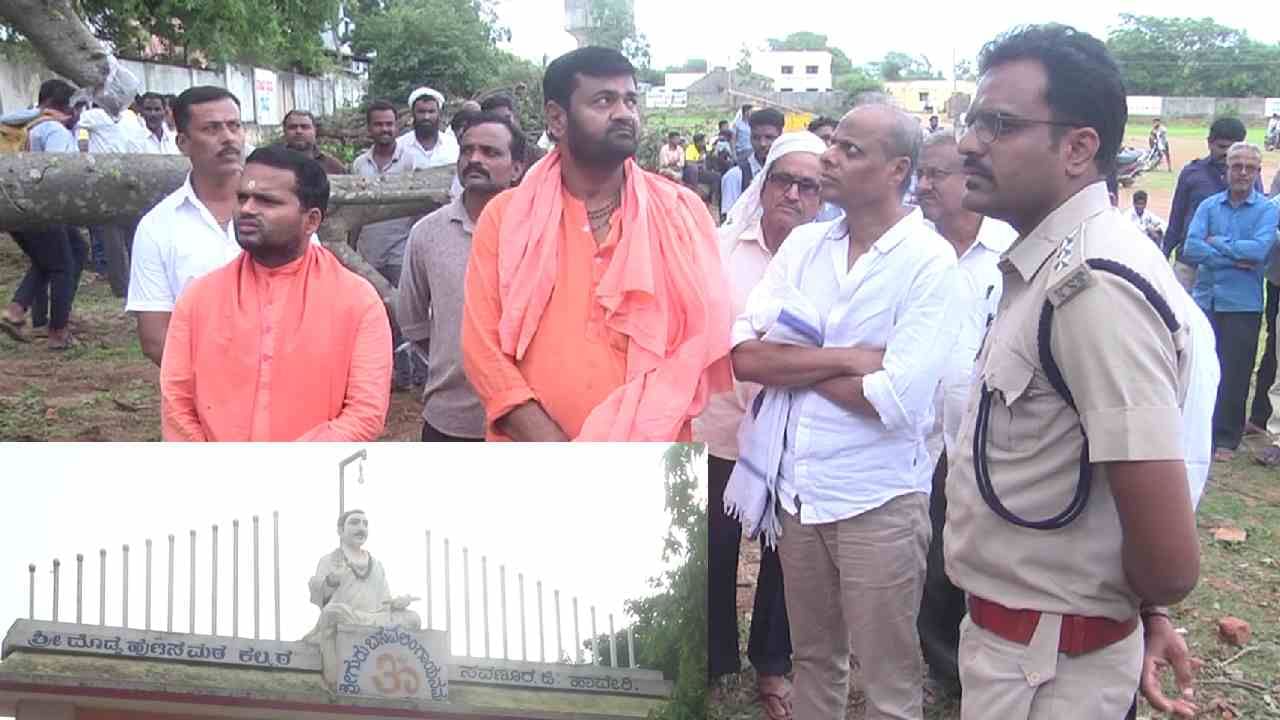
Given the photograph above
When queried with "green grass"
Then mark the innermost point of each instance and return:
(1141, 127)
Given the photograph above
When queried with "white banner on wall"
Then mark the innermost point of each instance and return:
(1272, 106)
(1145, 105)
(264, 97)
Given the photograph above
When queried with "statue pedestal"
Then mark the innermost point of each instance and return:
(388, 662)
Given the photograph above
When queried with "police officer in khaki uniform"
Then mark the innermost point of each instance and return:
(1067, 513)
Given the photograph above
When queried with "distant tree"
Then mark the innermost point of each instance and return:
(858, 81)
(902, 66)
(282, 34)
(613, 24)
(964, 70)
(450, 45)
(840, 63)
(1192, 57)
(692, 65)
(671, 630)
(744, 60)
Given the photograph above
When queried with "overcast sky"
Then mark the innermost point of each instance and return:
(588, 520)
(678, 29)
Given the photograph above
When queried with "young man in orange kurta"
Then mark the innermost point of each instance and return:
(596, 305)
(283, 343)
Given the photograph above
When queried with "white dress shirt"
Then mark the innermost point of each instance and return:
(107, 134)
(900, 296)
(981, 284)
(177, 241)
(444, 152)
(149, 144)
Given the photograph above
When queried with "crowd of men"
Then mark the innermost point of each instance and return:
(963, 401)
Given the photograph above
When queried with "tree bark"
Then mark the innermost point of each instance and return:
(82, 189)
(61, 37)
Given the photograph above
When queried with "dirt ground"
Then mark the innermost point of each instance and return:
(1160, 183)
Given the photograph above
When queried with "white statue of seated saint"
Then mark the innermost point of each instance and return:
(350, 586)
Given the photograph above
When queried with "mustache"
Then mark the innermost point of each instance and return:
(476, 167)
(623, 125)
(973, 167)
(229, 150)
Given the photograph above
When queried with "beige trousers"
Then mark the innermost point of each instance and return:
(855, 585)
(1273, 425)
(1186, 274)
(1001, 679)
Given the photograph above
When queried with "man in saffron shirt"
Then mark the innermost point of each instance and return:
(595, 304)
(283, 343)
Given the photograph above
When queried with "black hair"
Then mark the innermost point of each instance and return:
(767, 116)
(460, 120)
(673, 133)
(153, 96)
(501, 100)
(198, 95)
(56, 93)
(820, 122)
(746, 107)
(314, 122)
(169, 100)
(699, 137)
(1113, 184)
(311, 184)
(1227, 128)
(1084, 86)
(379, 106)
(519, 144)
(722, 123)
(1140, 195)
(561, 77)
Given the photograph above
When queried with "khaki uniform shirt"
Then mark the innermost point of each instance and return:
(1128, 378)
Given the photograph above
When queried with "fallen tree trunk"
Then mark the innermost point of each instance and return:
(63, 40)
(81, 189)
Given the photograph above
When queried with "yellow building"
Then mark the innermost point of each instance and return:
(927, 96)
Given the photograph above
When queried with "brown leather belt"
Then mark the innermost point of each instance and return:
(1079, 635)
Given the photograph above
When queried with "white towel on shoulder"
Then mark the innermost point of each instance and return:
(786, 317)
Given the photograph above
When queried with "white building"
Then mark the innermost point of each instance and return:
(795, 70)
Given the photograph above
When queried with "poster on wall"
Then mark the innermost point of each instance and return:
(264, 97)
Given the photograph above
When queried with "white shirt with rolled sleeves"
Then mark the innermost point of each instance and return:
(901, 295)
(176, 242)
(981, 282)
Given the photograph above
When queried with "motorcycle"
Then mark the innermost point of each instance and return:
(1132, 162)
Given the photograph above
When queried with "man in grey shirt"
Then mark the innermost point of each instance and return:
(490, 159)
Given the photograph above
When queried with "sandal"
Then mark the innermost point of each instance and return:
(13, 330)
(1268, 456)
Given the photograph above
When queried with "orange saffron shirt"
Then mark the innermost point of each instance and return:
(573, 361)
(298, 352)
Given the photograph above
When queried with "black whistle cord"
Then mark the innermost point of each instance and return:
(988, 492)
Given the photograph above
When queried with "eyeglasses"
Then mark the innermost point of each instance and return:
(1243, 169)
(991, 126)
(783, 182)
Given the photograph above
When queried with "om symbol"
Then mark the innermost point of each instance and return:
(396, 678)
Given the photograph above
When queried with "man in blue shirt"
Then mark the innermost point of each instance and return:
(1198, 180)
(766, 124)
(742, 134)
(57, 252)
(1229, 239)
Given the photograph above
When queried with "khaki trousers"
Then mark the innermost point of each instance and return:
(1001, 679)
(855, 585)
(1186, 274)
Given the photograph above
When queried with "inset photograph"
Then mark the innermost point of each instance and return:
(328, 581)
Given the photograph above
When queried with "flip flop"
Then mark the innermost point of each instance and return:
(1268, 456)
(13, 330)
